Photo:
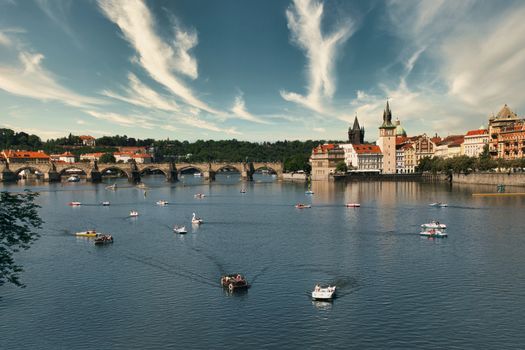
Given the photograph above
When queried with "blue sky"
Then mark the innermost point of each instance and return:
(257, 70)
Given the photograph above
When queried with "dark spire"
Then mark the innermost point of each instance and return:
(356, 124)
(387, 116)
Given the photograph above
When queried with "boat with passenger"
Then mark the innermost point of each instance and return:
(234, 282)
(199, 195)
(434, 225)
(73, 178)
(438, 204)
(162, 203)
(103, 239)
(111, 187)
(433, 233)
(323, 292)
(74, 204)
(303, 206)
(180, 229)
(133, 213)
(197, 174)
(243, 190)
(88, 233)
(105, 204)
(353, 205)
(196, 220)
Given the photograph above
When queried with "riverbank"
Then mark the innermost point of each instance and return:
(507, 179)
(391, 177)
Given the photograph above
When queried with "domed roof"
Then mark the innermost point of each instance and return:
(399, 129)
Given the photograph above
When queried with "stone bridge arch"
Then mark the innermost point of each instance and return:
(105, 167)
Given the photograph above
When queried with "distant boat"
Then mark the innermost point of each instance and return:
(197, 174)
(73, 178)
(88, 233)
(74, 204)
(162, 203)
(438, 204)
(434, 225)
(104, 239)
(433, 233)
(195, 220)
(142, 185)
(243, 190)
(105, 204)
(303, 206)
(309, 192)
(111, 187)
(353, 205)
(180, 229)
(199, 195)
(133, 213)
(323, 293)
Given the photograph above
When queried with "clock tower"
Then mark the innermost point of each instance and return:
(387, 142)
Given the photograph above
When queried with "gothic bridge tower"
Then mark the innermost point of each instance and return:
(387, 142)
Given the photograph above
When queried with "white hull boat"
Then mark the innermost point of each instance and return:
(73, 179)
(180, 229)
(162, 203)
(433, 233)
(74, 204)
(434, 225)
(323, 293)
(133, 213)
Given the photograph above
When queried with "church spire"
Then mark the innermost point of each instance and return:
(387, 116)
(356, 123)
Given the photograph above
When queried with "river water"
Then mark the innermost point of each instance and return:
(153, 289)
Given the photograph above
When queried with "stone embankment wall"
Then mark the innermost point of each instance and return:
(508, 179)
(294, 176)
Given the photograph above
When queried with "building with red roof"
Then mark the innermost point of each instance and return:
(87, 140)
(66, 157)
(142, 158)
(25, 156)
(91, 156)
(363, 157)
(475, 141)
(324, 160)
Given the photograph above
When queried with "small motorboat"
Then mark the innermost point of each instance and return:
(434, 225)
(309, 192)
(197, 174)
(439, 204)
(104, 239)
(234, 282)
(199, 195)
(195, 220)
(111, 187)
(323, 293)
(243, 190)
(142, 185)
(74, 204)
(433, 233)
(303, 206)
(162, 203)
(73, 178)
(88, 233)
(180, 229)
(105, 204)
(443, 205)
(133, 213)
(353, 205)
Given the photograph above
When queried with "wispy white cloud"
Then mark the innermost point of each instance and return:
(195, 121)
(129, 121)
(30, 79)
(160, 59)
(304, 21)
(239, 109)
(140, 94)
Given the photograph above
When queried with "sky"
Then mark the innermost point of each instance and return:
(257, 70)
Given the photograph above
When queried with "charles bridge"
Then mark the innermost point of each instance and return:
(93, 171)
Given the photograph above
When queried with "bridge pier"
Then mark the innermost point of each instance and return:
(52, 176)
(209, 175)
(94, 176)
(134, 177)
(7, 176)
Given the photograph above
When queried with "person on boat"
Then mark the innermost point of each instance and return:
(238, 277)
(317, 287)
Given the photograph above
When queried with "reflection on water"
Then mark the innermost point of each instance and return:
(156, 289)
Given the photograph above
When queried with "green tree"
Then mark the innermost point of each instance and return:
(107, 158)
(18, 221)
(341, 167)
